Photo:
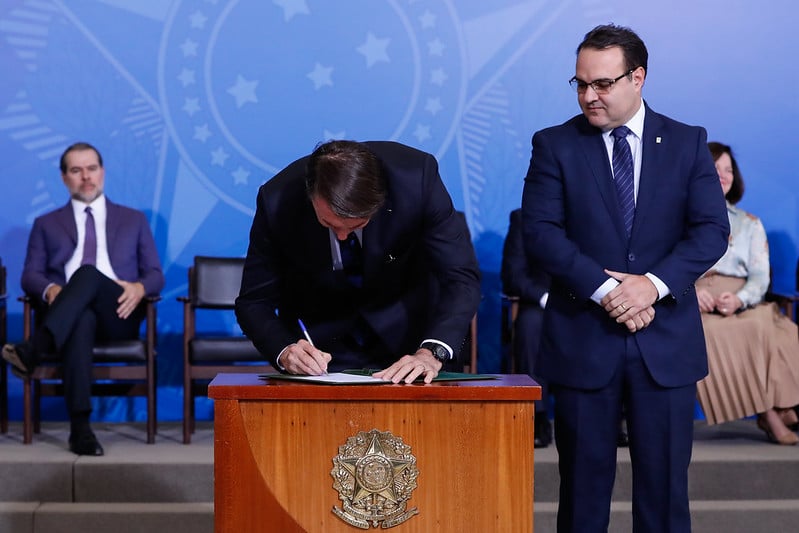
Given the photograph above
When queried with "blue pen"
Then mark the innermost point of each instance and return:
(305, 332)
(307, 335)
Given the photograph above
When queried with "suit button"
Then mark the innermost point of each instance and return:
(631, 257)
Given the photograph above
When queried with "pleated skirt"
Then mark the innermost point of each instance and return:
(753, 359)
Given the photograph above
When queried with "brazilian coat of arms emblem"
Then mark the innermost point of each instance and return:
(374, 474)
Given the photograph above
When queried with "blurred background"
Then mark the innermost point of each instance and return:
(194, 104)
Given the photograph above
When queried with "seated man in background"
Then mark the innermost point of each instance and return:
(361, 244)
(521, 278)
(88, 266)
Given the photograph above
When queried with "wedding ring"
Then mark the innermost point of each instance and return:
(623, 308)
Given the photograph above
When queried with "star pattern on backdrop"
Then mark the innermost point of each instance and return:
(243, 91)
(191, 106)
(201, 133)
(433, 106)
(321, 76)
(198, 20)
(427, 20)
(240, 176)
(189, 48)
(219, 156)
(374, 49)
(186, 77)
(292, 8)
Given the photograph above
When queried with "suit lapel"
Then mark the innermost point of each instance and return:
(112, 222)
(596, 153)
(374, 237)
(653, 157)
(66, 219)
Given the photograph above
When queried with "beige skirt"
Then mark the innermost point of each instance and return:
(753, 359)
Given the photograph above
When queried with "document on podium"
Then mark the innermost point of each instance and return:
(364, 377)
(334, 378)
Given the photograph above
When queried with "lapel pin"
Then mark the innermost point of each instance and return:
(657, 140)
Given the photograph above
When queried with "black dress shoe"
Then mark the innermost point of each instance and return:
(21, 357)
(543, 431)
(85, 443)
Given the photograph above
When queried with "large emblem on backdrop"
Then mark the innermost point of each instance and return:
(374, 474)
(246, 86)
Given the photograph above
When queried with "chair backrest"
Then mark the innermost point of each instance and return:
(216, 281)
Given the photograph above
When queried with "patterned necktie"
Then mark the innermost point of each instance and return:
(623, 175)
(352, 259)
(90, 244)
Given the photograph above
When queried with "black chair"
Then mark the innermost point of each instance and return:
(786, 302)
(121, 368)
(214, 284)
(470, 364)
(3, 365)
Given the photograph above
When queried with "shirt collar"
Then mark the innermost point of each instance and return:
(98, 206)
(636, 122)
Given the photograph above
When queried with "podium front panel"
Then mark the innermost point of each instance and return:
(275, 445)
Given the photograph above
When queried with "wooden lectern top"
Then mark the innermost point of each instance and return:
(506, 387)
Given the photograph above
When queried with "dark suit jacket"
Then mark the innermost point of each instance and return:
(54, 236)
(573, 228)
(520, 276)
(416, 233)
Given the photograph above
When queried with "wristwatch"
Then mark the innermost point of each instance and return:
(439, 352)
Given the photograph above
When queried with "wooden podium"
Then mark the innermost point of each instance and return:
(277, 442)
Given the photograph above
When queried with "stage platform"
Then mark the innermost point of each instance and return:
(739, 482)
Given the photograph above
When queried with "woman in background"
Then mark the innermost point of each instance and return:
(753, 349)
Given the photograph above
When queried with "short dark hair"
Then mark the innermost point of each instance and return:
(78, 147)
(609, 35)
(348, 176)
(736, 191)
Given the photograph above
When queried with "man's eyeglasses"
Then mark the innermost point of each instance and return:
(600, 86)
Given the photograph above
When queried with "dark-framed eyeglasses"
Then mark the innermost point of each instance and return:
(600, 86)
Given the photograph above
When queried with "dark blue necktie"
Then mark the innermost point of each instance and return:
(352, 259)
(623, 175)
(90, 243)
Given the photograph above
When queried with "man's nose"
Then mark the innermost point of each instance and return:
(342, 234)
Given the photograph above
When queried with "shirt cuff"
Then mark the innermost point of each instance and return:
(603, 289)
(277, 360)
(663, 289)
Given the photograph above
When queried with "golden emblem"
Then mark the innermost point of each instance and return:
(374, 474)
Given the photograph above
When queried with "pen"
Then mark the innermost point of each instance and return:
(305, 332)
(307, 336)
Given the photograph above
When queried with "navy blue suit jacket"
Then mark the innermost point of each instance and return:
(54, 236)
(420, 278)
(574, 229)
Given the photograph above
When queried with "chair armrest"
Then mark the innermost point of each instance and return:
(785, 301)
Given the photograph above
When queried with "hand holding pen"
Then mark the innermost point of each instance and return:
(303, 357)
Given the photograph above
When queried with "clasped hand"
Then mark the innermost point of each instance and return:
(726, 303)
(630, 303)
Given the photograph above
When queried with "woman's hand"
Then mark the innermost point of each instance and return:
(728, 303)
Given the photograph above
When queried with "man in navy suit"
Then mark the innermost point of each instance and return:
(621, 326)
(88, 266)
(361, 243)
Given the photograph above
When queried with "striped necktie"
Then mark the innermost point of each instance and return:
(623, 175)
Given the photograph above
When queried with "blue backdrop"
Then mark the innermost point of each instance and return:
(194, 104)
